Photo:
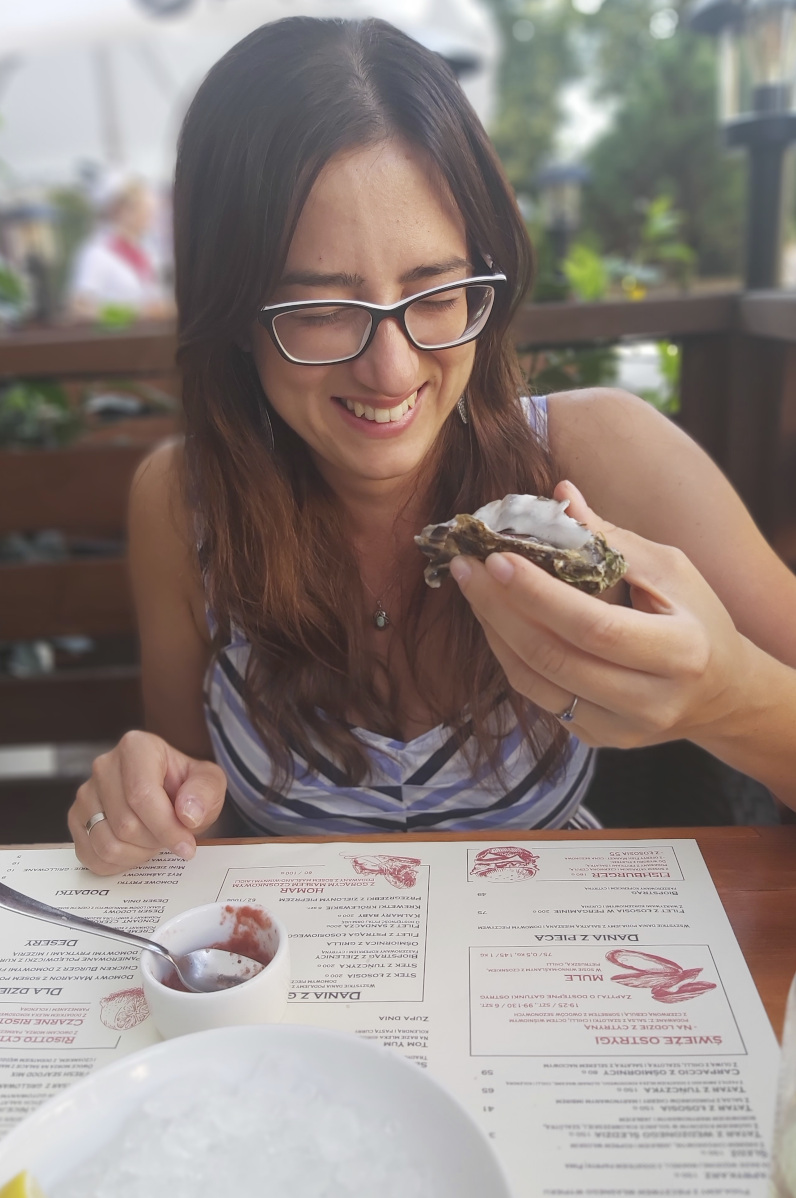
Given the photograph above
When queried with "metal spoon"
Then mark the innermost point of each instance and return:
(202, 971)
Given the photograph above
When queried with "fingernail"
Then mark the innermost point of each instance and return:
(460, 570)
(184, 850)
(191, 811)
(500, 568)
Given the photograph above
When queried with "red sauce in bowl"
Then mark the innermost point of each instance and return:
(243, 940)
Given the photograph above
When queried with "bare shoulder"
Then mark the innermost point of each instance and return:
(593, 430)
(637, 469)
(634, 465)
(163, 549)
(155, 495)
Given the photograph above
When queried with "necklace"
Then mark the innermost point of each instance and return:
(380, 617)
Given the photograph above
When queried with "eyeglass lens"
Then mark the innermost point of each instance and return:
(331, 333)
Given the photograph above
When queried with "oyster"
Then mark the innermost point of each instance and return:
(532, 526)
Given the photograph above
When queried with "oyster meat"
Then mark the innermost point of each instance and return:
(532, 526)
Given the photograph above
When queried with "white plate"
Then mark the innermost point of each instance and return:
(438, 1134)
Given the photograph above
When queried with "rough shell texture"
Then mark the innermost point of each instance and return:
(591, 567)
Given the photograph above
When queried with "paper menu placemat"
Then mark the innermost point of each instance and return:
(586, 1000)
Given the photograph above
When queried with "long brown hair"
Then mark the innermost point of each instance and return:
(279, 566)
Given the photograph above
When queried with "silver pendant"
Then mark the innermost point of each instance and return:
(380, 618)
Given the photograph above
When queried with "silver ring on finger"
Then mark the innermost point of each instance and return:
(93, 821)
(568, 715)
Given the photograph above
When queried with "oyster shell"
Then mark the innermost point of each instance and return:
(532, 526)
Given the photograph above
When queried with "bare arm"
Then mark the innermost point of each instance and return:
(641, 472)
(645, 474)
(157, 788)
(708, 650)
(169, 601)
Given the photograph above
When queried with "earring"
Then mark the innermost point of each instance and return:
(265, 424)
(461, 408)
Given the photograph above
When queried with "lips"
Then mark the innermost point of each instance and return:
(381, 415)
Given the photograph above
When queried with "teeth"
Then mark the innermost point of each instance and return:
(382, 415)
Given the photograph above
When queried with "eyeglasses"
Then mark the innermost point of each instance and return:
(323, 332)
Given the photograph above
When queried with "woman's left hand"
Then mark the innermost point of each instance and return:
(669, 667)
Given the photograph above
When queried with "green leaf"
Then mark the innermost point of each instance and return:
(586, 272)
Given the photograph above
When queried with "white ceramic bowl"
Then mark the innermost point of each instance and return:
(252, 931)
(436, 1135)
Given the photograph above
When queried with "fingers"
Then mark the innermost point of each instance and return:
(653, 569)
(98, 849)
(603, 702)
(136, 786)
(619, 720)
(641, 675)
(523, 679)
(200, 797)
(525, 595)
(143, 811)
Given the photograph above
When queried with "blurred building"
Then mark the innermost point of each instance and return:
(107, 82)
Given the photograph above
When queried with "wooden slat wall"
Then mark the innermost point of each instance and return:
(78, 490)
(73, 705)
(89, 597)
(81, 491)
(80, 352)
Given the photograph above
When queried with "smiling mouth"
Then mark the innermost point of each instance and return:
(381, 415)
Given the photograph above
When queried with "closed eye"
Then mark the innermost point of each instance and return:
(443, 303)
(320, 318)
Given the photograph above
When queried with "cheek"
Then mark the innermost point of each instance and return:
(284, 383)
(457, 366)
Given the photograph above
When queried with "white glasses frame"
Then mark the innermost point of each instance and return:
(377, 313)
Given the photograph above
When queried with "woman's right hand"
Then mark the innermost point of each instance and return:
(153, 798)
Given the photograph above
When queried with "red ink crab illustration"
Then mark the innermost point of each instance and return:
(667, 980)
(124, 1009)
(400, 872)
(504, 863)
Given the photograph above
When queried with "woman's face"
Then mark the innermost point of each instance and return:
(378, 226)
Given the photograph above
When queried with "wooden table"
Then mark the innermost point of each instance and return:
(754, 871)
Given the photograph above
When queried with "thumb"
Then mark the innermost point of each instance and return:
(578, 508)
(200, 797)
(646, 574)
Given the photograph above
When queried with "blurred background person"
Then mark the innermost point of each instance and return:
(119, 269)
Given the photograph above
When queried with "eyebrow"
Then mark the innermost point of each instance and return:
(430, 270)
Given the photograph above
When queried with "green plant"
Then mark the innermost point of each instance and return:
(549, 284)
(667, 398)
(571, 367)
(74, 223)
(12, 288)
(36, 414)
(660, 243)
(116, 316)
(586, 273)
(662, 140)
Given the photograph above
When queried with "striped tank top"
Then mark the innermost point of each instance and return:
(424, 784)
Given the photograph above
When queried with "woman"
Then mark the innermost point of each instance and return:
(115, 267)
(329, 173)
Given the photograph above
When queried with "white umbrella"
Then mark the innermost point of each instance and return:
(101, 81)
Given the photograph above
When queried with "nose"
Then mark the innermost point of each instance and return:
(389, 365)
